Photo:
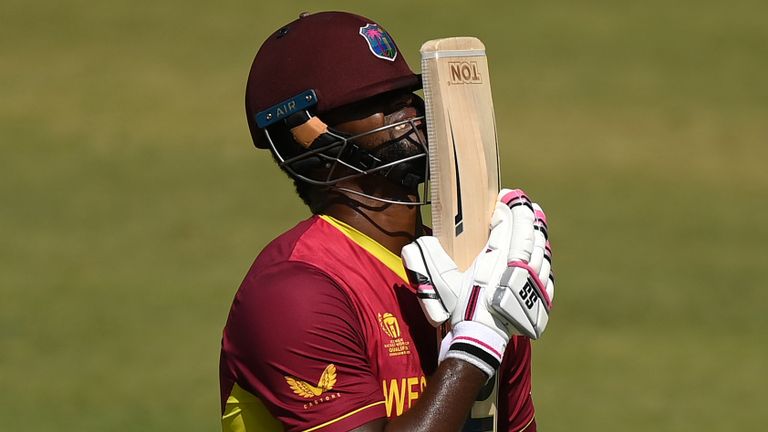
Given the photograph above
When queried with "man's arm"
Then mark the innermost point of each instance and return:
(293, 342)
(504, 269)
(443, 406)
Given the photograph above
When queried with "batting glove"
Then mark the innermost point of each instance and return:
(524, 295)
(479, 301)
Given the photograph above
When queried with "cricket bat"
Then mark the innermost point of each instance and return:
(463, 163)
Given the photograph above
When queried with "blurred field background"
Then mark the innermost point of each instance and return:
(132, 202)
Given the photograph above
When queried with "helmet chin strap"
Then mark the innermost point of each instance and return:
(384, 200)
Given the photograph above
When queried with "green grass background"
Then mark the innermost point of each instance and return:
(132, 202)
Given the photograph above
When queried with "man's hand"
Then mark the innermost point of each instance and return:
(524, 296)
(499, 295)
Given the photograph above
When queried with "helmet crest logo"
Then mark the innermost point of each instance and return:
(379, 42)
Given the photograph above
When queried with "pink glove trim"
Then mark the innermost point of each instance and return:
(540, 287)
(513, 195)
(469, 313)
(425, 288)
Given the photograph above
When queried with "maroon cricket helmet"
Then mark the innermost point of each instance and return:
(344, 58)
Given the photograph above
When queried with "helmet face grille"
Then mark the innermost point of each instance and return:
(335, 157)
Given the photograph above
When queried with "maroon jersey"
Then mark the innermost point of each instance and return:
(325, 333)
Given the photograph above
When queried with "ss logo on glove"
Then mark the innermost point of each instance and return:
(529, 295)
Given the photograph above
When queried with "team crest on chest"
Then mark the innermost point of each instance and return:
(379, 41)
(390, 326)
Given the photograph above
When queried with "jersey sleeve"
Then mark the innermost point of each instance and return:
(515, 410)
(293, 340)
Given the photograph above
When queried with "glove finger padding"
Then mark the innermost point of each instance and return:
(545, 271)
(435, 276)
(521, 299)
(521, 242)
(539, 243)
(489, 265)
(550, 281)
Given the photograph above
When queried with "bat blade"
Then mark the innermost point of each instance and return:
(463, 151)
(463, 163)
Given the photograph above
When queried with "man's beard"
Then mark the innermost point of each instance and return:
(402, 148)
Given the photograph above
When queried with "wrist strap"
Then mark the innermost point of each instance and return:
(479, 345)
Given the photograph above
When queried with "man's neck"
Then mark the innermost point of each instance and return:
(391, 225)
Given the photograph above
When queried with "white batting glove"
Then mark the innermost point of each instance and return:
(444, 292)
(524, 296)
(479, 301)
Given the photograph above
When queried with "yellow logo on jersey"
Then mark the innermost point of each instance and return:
(307, 390)
(397, 345)
(389, 325)
(401, 393)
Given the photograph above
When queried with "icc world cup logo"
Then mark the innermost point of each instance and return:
(389, 325)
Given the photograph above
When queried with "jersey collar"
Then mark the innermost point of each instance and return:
(392, 261)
